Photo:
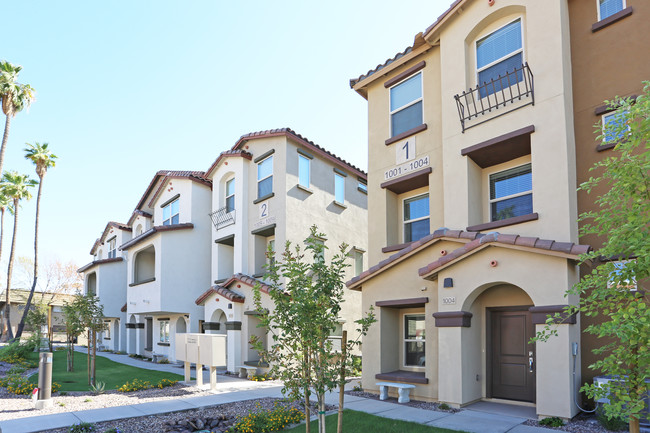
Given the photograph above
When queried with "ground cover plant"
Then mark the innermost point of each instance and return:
(354, 421)
(268, 421)
(113, 374)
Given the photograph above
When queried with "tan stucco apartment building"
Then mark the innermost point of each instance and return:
(609, 46)
(472, 208)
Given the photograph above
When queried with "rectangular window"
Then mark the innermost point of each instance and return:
(303, 171)
(164, 331)
(511, 193)
(416, 217)
(498, 53)
(362, 186)
(230, 195)
(607, 8)
(107, 330)
(414, 340)
(270, 249)
(406, 105)
(622, 277)
(265, 177)
(339, 188)
(112, 250)
(358, 262)
(170, 213)
(614, 126)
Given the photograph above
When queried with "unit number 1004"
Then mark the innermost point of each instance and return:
(406, 168)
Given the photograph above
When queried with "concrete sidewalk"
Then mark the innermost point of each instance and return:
(232, 390)
(466, 420)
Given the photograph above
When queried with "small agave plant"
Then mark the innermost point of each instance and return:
(98, 387)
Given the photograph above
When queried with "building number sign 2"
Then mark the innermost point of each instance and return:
(406, 160)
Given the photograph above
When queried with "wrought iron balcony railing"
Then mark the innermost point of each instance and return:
(223, 217)
(496, 94)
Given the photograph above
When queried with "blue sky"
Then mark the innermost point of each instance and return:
(126, 88)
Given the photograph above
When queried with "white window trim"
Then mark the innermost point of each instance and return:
(489, 183)
(404, 221)
(112, 248)
(301, 157)
(415, 101)
(512, 53)
(232, 179)
(598, 8)
(258, 172)
(405, 340)
(171, 215)
(161, 338)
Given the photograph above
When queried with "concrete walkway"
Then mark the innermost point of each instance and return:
(467, 420)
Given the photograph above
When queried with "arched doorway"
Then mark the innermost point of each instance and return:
(218, 317)
(181, 325)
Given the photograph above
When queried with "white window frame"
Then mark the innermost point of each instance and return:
(489, 183)
(164, 326)
(107, 331)
(301, 158)
(336, 189)
(598, 9)
(270, 175)
(270, 241)
(358, 262)
(232, 179)
(112, 248)
(415, 101)
(603, 119)
(404, 221)
(512, 53)
(405, 340)
(171, 215)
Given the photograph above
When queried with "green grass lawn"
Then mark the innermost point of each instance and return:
(112, 373)
(361, 422)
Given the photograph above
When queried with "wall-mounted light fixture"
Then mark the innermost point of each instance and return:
(448, 283)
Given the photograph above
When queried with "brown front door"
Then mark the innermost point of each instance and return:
(511, 359)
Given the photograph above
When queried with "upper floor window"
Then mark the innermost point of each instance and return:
(607, 8)
(357, 256)
(511, 193)
(622, 277)
(230, 195)
(265, 177)
(112, 250)
(303, 171)
(416, 217)
(406, 105)
(362, 186)
(138, 230)
(170, 213)
(498, 53)
(339, 188)
(614, 126)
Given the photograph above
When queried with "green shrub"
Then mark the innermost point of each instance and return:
(356, 366)
(137, 385)
(264, 421)
(113, 430)
(444, 406)
(553, 421)
(82, 427)
(613, 424)
(15, 352)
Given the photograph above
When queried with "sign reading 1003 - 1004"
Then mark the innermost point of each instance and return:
(406, 159)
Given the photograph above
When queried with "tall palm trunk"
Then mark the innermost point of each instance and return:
(5, 138)
(9, 335)
(2, 225)
(21, 325)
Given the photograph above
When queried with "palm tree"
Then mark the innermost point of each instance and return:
(17, 187)
(5, 203)
(41, 156)
(15, 97)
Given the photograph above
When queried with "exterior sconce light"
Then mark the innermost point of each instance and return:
(448, 283)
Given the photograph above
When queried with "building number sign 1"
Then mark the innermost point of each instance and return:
(406, 160)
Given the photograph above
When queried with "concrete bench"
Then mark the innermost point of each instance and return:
(155, 357)
(403, 390)
(246, 371)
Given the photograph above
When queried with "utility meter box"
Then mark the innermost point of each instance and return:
(212, 349)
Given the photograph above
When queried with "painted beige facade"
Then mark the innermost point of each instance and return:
(512, 271)
(240, 238)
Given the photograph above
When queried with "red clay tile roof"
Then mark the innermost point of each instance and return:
(290, 133)
(197, 176)
(226, 154)
(566, 249)
(153, 230)
(418, 41)
(136, 213)
(441, 233)
(475, 240)
(116, 225)
(98, 262)
(223, 290)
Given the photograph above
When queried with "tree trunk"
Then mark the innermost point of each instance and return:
(5, 138)
(70, 353)
(321, 413)
(344, 339)
(21, 325)
(88, 357)
(634, 425)
(92, 361)
(306, 376)
(9, 335)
